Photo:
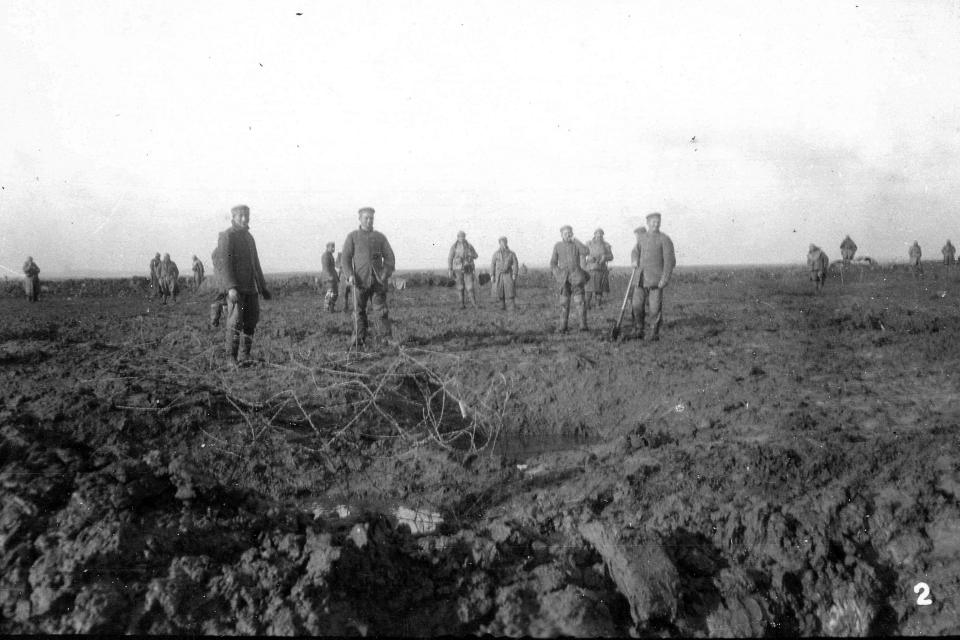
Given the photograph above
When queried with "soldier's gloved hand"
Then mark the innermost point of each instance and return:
(266, 294)
(232, 295)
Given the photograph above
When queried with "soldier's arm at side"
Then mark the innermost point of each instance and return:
(669, 262)
(261, 281)
(473, 252)
(389, 260)
(226, 259)
(514, 266)
(346, 259)
(554, 259)
(453, 249)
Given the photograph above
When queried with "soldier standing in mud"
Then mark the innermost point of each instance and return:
(600, 254)
(654, 259)
(32, 282)
(155, 276)
(242, 279)
(368, 263)
(461, 268)
(915, 254)
(329, 278)
(197, 273)
(948, 253)
(169, 279)
(565, 263)
(817, 263)
(504, 270)
(847, 249)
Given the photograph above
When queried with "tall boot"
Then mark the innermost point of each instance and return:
(581, 312)
(463, 304)
(589, 301)
(246, 341)
(233, 344)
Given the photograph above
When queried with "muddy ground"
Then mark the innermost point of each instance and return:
(780, 463)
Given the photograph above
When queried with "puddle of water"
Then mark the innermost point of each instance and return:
(417, 520)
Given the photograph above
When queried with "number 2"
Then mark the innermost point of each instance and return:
(924, 590)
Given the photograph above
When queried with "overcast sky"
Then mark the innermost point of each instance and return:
(756, 128)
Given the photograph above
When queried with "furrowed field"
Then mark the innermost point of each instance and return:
(780, 463)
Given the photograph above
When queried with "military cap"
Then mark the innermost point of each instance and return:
(239, 209)
(504, 239)
(366, 210)
(599, 230)
(653, 215)
(330, 245)
(566, 226)
(461, 234)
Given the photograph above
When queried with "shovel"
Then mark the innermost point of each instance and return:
(615, 333)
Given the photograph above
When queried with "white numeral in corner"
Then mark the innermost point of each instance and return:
(924, 590)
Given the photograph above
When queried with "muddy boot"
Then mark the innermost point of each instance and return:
(463, 302)
(233, 345)
(216, 310)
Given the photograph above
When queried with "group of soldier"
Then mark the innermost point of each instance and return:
(818, 263)
(165, 277)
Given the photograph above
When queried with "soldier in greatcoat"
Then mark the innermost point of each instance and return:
(329, 278)
(242, 280)
(461, 267)
(155, 276)
(654, 259)
(915, 254)
(948, 253)
(31, 284)
(601, 253)
(847, 249)
(504, 270)
(197, 273)
(817, 263)
(368, 263)
(169, 279)
(566, 265)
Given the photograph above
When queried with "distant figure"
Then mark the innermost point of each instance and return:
(197, 273)
(948, 253)
(565, 262)
(817, 262)
(155, 276)
(32, 283)
(368, 263)
(347, 289)
(218, 307)
(242, 280)
(461, 268)
(169, 279)
(600, 254)
(915, 255)
(523, 270)
(503, 284)
(847, 249)
(329, 278)
(655, 260)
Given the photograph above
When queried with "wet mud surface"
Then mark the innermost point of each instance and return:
(779, 463)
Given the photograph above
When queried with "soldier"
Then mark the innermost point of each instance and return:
(847, 249)
(600, 254)
(197, 273)
(219, 305)
(818, 263)
(948, 253)
(461, 267)
(915, 255)
(347, 289)
(654, 259)
(155, 276)
(368, 263)
(32, 283)
(329, 278)
(503, 284)
(570, 276)
(169, 279)
(242, 279)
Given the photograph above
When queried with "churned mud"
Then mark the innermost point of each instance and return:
(780, 463)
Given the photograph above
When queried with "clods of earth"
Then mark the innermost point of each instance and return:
(780, 463)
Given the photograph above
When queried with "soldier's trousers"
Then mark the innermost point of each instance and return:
(505, 290)
(32, 287)
(197, 281)
(242, 317)
(377, 296)
(465, 285)
(217, 307)
(567, 292)
(642, 296)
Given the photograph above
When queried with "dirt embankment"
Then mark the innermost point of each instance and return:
(779, 464)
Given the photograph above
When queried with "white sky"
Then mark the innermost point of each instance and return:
(132, 127)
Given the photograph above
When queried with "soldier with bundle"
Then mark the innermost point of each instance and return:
(461, 267)
(169, 279)
(329, 278)
(600, 254)
(155, 276)
(847, 249)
